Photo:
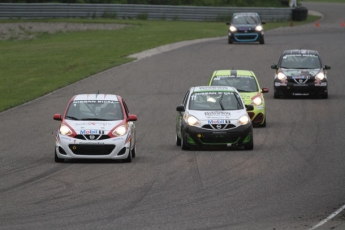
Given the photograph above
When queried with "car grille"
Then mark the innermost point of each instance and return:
(92, 137)
(218, 138)
(246, 37)
(218, 126)
(98, 149)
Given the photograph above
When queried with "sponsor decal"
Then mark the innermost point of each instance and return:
(217, 113)
(214, 88)
(93, 123)
(218, 121)
(65, 138)
(88, 132)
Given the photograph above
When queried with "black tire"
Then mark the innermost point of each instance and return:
(178, 140)
(263, 124)
(57, 159)
(325, 96)
(262, 41)
(230, 41)
(183, 143)
(129, 158)
(250, 145)
(276, 95)
(134, 151)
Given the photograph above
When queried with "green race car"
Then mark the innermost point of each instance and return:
(248, 86)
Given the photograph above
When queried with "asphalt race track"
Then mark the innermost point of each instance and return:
(293, 179)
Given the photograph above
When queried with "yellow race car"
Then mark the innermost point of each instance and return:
(248, 86)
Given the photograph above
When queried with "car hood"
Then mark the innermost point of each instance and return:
(246, 26)
(300, 72)
(247, 97)
(92, 127)
(218, 116)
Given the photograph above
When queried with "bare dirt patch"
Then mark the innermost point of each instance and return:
(29, 30)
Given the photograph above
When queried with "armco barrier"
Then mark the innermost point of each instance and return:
(131, 11)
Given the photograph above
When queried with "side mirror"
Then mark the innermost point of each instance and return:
(274, 66)
(227, 23)
(132, 117)
(249, 107)
(264, 90)
(327, 67)
(180, 108)
(57, 117)
(263, 22)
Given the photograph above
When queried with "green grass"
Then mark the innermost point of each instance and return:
(34, 67)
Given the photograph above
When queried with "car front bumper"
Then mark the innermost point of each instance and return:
(292, 89)
(72, 148)
(246, 37)
(198, 137)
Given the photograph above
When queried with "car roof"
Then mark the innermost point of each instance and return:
(300, 51)
(235, 73)
(213, 88)
(108, 97)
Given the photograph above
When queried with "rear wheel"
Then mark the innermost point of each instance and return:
(325, 96)
(57, 159)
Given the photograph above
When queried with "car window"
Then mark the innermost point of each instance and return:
(300, 61)
(241, 83)
(215, 101)
(94, 110)
(185, 99)
(245, 19)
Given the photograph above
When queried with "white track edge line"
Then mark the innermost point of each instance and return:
(328, 218)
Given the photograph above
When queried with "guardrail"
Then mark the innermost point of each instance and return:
(131, 11)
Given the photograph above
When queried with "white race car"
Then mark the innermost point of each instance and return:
(96, 126)
(213, 116)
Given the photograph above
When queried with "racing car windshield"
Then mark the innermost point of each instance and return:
(245, 19)
(215, 101)
(300, 61)
(241, 83)
(94, 110)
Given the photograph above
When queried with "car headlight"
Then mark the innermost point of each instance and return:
(281, 76)
(120, 131)
(193, 121)
(64, 130)
(320, 76)
(257, 100)
(244, 120)
(259, 28)
(232, 28)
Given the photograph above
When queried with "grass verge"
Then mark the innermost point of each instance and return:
(34, 67)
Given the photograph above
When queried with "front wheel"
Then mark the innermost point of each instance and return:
(263, 124)
(183, 143)
(129, 158)
(134, 151)
(250, 145)
(57, 159)
(178, 140)
(262, 41)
